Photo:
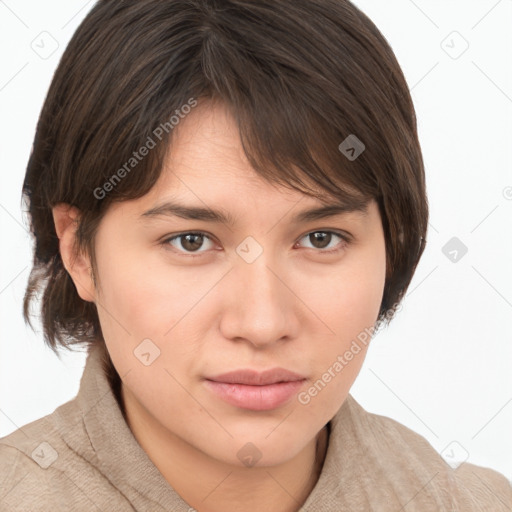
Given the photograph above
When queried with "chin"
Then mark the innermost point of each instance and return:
(256, 451)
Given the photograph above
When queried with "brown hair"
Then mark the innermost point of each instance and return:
(299, 76)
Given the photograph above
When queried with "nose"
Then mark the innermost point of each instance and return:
(261, 307)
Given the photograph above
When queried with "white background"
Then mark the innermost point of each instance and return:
(443, 367)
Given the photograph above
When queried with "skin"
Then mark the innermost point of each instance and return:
(294, 307)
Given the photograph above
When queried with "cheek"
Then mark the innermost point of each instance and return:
(128, 302)
(148, 298)
(349, 306)
(350, 299)
(139, 293)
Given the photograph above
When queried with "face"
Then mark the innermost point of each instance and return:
(182, 301)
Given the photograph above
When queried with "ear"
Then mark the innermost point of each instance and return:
(66, 218)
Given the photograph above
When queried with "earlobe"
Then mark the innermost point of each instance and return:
(66, 219)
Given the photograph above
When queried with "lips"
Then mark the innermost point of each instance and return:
(254, 378)
(256, 391)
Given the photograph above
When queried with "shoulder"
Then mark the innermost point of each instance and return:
(482, 487)
(22, 485)
(408, 459)
(41, 470)
(26, 459)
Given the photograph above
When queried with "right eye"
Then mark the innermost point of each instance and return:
(188, 242)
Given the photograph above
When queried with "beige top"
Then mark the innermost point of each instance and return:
(83, 457)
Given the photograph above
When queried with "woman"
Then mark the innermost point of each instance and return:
(227, 197)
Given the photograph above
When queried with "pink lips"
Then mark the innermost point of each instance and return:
(257, 391)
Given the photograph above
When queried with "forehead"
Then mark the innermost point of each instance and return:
(206, 148)
(206, 176)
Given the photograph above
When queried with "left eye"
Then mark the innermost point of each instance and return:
(192, 241)
(324, 238)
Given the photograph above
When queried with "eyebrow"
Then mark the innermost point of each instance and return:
(174, 209)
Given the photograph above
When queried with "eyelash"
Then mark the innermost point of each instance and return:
(345, 241)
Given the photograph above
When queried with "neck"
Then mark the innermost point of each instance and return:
(210, 485)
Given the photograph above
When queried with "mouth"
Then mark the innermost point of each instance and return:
(257, 391)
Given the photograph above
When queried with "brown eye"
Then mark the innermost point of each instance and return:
(326, 241)
(320, 239)
(188, 242)
(192, 242)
